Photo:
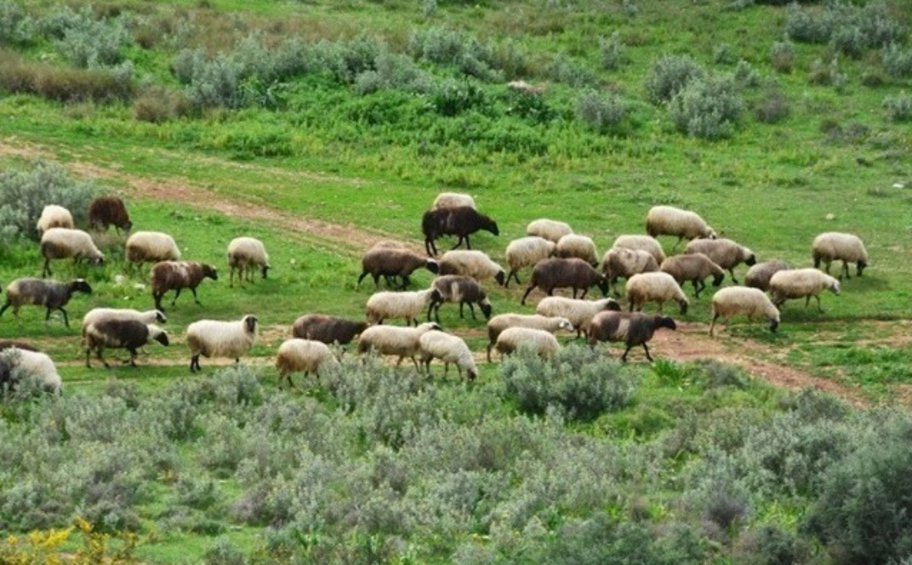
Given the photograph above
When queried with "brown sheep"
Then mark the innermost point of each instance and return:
(632, 328)
(327, 329)
(462, 221)
(461, 289)
(694, 268)
(178, 275)
(107, 211)
(390, 263)
(565, 273)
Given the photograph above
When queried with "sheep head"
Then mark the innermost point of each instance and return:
(665, 322)
(250, 323)
(860, 266)
(80, 285)
(500, 277)
(210, 272)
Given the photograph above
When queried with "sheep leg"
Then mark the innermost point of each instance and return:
(132, 351)
(430, 247)
(698, 287)
(468, 243)
(490, 345)
(405, 282)
(46, 272)
(101, 358)
(430, 309)
(361, 278)
(461, 305)
(511, 275)
(713, 325)
(195, 298)
(526, 295)
(585, 292)
(194, 363)
(731, 270)
(157, 296)
(88, 355)
(231, 278)
(472, 310)
(574, 292)
(5, 306)
(807, 301)
(176, 294)
(819, 308)
(845, 269)
(626, 351)
(646, 348)
(66, 319)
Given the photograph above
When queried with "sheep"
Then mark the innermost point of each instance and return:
(575, 245)
(551, 230)
(631, 328)
(406, 305)
(694, 268)
(54, 216)
(53, 295)
(327, 329)
(562, 273)
(303, 356)
(656, 287)
(759, 275)
(462, 221)
(150, 247)
(453, 200)
(10, 343)
(107, 211)
(449, 349)
(641, 243)
(623, 262)
(461, 289)
(723, 252)
(62, 243)
(178, 275)
(579, 312)
(475, 264)
(668, 220)
(499, 323)
(393, 340)
(246, 254)
(847, 247)
(526, 252)
(24, 363)
(213, 338)
(129, 334)
(797, 283)
(393, 262)
(511, 339)
(752, 302)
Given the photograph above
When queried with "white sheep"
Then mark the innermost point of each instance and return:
(751, 302)
(655, 287)
(622, 262)
(642, 243)
(836, 246)
(579, 312)
(801, 283)
(214, 338)
(246, 255)
(303, 356)
(54, 216)
(392, 340)
(25, 364)
(63, 243)
(453, 200)
(470, 263)
(668, 220)
(575, 245)
(726, 253)
(511, 339)
(151, 247)
(449, 349)
(552, 230)
(407, 305)
(499, 323)
(526, 252)
(96, 315)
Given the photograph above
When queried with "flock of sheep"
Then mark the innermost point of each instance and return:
(558, 258)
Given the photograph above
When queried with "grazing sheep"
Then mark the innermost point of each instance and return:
(551, 230)
(752, 302)
(19, 364)
(178, 275)
(390, 262)
(759, 275)
(129, 334)
(303, 356)
(655, 287)
(723, 252)
(511, 339)
(575, 245)
(499, 323)
(107, 211)
(801, 283)
(475, 264)
(327, 329)
(526, 252)
(565, 273)
(579, 312)
(54, 216)
(62, 243)
(631, 328)
(212, 338)
(150, 247)
(392, 340)
(623, 262)
(453, 200)
(668, 220)
(53, 295)
(457, 288)
(836, 246)
(645, 243)
(694, 268)
(246, 255)
(405, 305)
(449, 349)
(462, 221)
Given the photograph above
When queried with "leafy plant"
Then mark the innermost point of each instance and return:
(669, 75)
(708, 108)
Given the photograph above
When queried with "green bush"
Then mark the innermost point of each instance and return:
(451, 97)
(808, 25)
(773, 107)
(849, 28)
(899, 107)
(897, 60)
(88, 42)
(612, 52)
(65, 84)
(782, 56)
(567, 71)
(669, 75)
(16, 27)
(158, 104)
(708, 108)
(453, 48)
(599, 112)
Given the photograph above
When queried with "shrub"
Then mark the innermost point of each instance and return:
(745, 75)
(565, 70)
(724, 55)
(708, 108)
(848, 40)
(394, 72)
(899, 107)
(65, 84)
(449, 47)
(612, 52)
(807, 26)
(216, 84)
(897, 60)
(773, 107)
(88, 42)
(601, 113)
(669, 75)
(771, 545)
(158, 104)
(782, 56)
(824, 72)
(451, 97)
(223, 552)
(16, 27)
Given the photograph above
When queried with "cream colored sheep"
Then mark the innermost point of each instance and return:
(579, 246)
(54, 216)
(449, 349)
(453, 200)
(303, 356)
(405, 305)
(643, 243)
(499, 323)
(552, 230)
(723, 252)
(392, 340)
(511, 339)
(213, 338)
(63, 243)
(801, 283)
(579, 312)
(526, 252)
(25, 364)
(750, 302)
(655, 287)
(668, 220)
(621, 262)
(836, 246)
(475, 264)
(150, 247)
(246, 255)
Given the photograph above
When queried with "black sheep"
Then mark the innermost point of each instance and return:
(107, 211)
(461, 289)
(53, 295)
(123, 334)
(327, 329)
(574, 273)
(391, 263)
(632, 328)
(461, 220)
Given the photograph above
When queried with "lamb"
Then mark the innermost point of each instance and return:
(24, 363)
(129, 334)
(641, 243)
(178, 275)
(107, 211)
(752, 302)
(392, 340)
(574, 245)
(499, 323)
(62, 243)
(150, 247)
(656, 287)
(461, 289)
(53, 295)
(54, 216)
(449, 349)
(797, 283)
(212, 338)
(246, 254)
(622, 262)
(303, 356)
(631, 328)
(694, 268)
(579, 312)
(759, 275)
(551, 230)
(393, 262)
(475, 264)
(453, 200)
(668, 220)
(511, 339)
(327, 329)
(462, 221)
(835, 246)
(526, 252)
(563, 273)
(406, 305)
(723, 252)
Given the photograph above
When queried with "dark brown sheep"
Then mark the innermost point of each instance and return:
(123, 334)
(178, 275)
(461, 220)
(461, 289)
(390, 263)
(631, 328)
(53, 295)
(107, 211)
(565, 273)
(694, 268)
(327, 329)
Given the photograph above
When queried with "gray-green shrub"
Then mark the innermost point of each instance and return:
(600, 112)
(89, 42)
(16, 26)
(707, 108)
(897, 60)
(611, 52)
(899, 107)
(669, 75)
(782, 56)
